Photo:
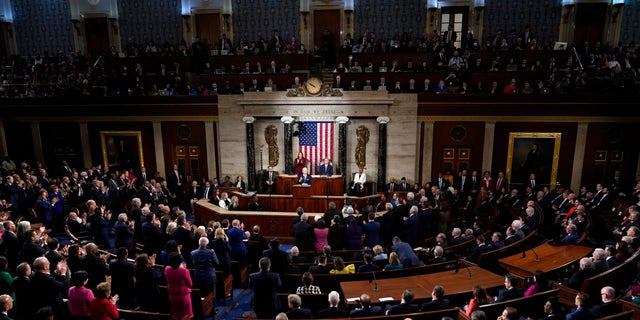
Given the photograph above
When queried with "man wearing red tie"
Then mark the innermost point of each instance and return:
(501, 182)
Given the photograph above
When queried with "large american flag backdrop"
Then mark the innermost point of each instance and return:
(316, 143)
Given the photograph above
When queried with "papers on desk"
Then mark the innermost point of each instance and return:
(353, 299)
(383, 299)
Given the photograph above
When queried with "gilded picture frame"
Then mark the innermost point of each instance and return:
(122, 150)
(522, 159)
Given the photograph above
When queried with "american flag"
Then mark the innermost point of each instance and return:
(316, 143)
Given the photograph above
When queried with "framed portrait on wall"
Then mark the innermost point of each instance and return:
(122, 150)
(533, 152)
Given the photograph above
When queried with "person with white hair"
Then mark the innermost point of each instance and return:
(456, 236)
(586, 271)
(124, 230)
(599, 260)
(609, 305)
(333, 311)
(204, 262)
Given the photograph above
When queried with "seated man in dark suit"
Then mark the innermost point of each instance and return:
(582, 312)
(321, 267)
(333, 311)
(510, 291)
(438, 255)
(609, 305)
(325, 169)
(405, 305)
(368, 266)
(586, 271)
(296, 311)
(437, 302)
(365, 310)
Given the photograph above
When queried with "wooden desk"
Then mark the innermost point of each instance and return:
(320, 185)
(273, 224)
(550, 258)
(458, 286)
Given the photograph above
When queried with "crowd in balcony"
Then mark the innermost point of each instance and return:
(580, 68)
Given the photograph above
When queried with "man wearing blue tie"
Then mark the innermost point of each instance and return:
(326, 169)
(304, 179)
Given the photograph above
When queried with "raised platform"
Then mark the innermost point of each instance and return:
(272, 223)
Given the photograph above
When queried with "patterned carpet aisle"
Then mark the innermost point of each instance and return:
(236, 308)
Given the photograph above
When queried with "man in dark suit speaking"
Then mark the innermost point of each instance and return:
(305, 178)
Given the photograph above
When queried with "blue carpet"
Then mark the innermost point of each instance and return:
(235, 307)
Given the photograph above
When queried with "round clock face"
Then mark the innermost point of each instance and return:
(313, 85)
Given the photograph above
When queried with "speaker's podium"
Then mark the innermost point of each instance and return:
(301, 191)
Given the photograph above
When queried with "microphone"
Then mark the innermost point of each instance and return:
(457, 265)
(534, 252)
(469, 271)
(375, 281)
(524, 252)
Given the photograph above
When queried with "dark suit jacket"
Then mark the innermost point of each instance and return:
(265, 285)
(366, 312)
(576, 280)
(328, 171)
(581, 314)
(403, 308)
(299, 313)
(333, 312)
(304, 236)
(513, 293)
(48, 290)
(304, 179)
(445, 183)
(439, 304)
(457, 184)
(395, 187)
(606, 309)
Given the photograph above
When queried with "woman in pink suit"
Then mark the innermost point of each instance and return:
(179, 287)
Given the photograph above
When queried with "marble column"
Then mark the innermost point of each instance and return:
(86, 145)
(288, 143)
(578, 156)
(159, 147)
(487, 149)
(37, 142)
(382, 151)
(342, 148)
(3, 141)
(209, 129)
(251, 153)
(427, 162)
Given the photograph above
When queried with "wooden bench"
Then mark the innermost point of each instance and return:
(489, 259)
(202, 305)
(625, 315)
(126, 314)
(627, 305)
(619, 277)
(224, 286)
(313, 302)
(531, 306)
(427, 315)
(240, 274)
